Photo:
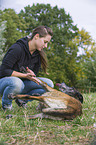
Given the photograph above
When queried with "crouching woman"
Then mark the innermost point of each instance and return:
(26, 54)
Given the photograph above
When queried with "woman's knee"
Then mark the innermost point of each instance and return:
(17, 84)
(11, 83)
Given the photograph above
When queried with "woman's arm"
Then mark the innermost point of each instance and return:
(10, 59)
(28, 76)
(18, 74)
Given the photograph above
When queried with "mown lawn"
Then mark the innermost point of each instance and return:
(22, 131)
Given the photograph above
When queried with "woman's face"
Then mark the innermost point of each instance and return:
(42, 42)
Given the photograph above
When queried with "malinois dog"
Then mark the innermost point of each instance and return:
(56, 104)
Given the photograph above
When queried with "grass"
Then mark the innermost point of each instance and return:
(22, 131)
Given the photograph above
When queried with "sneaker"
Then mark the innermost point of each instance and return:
(7, 107)
(21, 103)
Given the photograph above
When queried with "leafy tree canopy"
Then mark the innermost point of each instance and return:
(64, 62)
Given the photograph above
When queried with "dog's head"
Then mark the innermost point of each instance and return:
(71, 91)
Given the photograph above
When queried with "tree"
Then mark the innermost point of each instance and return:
(86, 61)
(64, 31)
(64, 62)
(15, 27)
(2, 39)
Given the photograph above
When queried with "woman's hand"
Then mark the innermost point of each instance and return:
(30, 71)
(32, 78)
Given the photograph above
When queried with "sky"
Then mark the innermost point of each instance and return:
(83, 12)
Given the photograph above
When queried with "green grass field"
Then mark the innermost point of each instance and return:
(22, 131)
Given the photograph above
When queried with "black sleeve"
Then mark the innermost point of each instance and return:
(9, 60)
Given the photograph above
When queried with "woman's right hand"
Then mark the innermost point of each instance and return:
(30, 71)
(32, 78)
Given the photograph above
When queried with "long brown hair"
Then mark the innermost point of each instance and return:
(42, 31)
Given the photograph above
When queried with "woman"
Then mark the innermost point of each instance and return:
(26, 53)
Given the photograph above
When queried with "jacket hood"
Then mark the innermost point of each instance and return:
(24, 42)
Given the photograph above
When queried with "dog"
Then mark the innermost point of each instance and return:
(56, 104)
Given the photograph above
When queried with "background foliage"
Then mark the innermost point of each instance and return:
(65, 62)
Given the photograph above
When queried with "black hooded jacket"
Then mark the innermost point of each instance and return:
(18, 55)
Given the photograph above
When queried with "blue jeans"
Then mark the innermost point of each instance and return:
(15, 85)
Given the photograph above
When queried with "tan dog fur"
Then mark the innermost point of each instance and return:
(59, 106)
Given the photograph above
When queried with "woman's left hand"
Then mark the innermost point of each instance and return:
(31, 72)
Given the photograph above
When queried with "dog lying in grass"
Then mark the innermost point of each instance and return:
(56, 104)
